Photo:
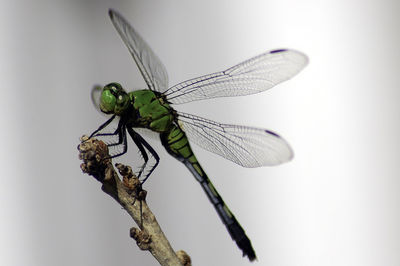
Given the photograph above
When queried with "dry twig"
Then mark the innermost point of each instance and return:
(129, 194)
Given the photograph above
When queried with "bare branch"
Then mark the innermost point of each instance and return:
(129, 194)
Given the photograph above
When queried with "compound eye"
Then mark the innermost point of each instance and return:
(107, 101)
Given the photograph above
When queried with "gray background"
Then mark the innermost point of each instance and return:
(336, 203)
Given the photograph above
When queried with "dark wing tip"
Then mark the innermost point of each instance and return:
(278, 51)
(111, 13)
(272, 133)
(300, 55)
(283, 145)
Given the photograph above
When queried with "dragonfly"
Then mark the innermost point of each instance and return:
(151, 109)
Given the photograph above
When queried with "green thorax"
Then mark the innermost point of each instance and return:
(151, 111)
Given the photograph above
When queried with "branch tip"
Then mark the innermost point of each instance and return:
(184, 258)
(129, 194)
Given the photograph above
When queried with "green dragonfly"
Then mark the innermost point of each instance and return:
(151, 109)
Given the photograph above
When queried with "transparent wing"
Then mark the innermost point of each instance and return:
(254, 75)
(246, 146)
(95, 95)
(153, 71)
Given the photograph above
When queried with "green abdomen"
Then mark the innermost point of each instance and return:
(177, 144)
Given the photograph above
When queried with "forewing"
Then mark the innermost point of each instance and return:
(252, 76)
(246, 146)
(153, 71)
(95, 95)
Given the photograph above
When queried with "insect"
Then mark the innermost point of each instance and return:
(151, 108)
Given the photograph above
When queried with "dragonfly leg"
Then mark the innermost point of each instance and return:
(141, 143)
(120, 132)
(115, 133)
(121, 140)
(102, 126)
(141, 150)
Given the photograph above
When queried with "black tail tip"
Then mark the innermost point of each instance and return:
(239, 236)
(245, 245)
(247, 250)
(252, 257)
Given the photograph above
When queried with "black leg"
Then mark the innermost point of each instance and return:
(140, 142)
(120, 131)
(121, 140)
(116, 132)
(142, 150)
(102, 126)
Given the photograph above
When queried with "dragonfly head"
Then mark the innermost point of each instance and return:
(113, 99)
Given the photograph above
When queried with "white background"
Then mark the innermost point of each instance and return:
(336, 203)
